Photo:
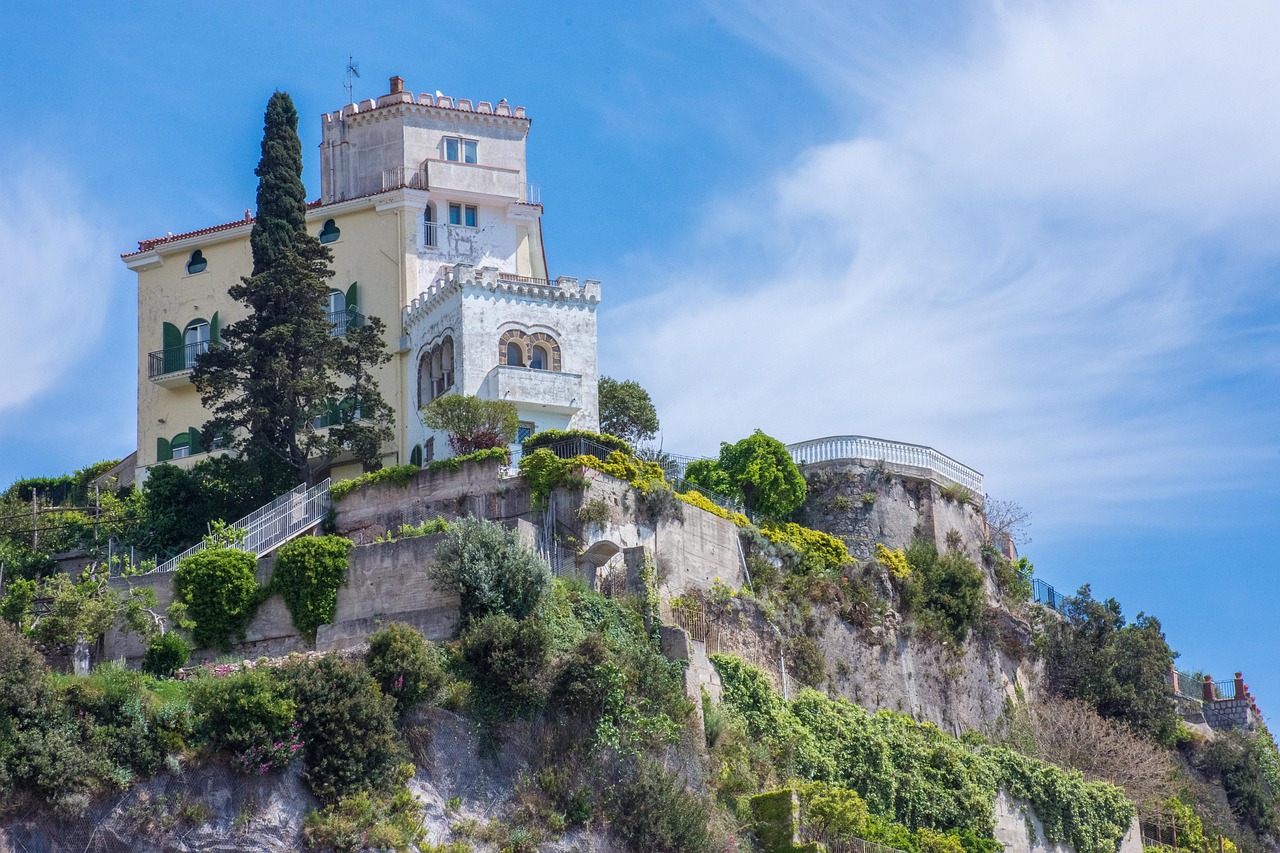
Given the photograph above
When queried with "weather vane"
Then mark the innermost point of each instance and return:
(353, 71)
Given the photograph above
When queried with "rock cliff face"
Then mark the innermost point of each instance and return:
(214, 810)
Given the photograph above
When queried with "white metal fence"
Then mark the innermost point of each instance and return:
(270, 526)
(838, 447)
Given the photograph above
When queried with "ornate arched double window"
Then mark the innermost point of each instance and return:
(435, 370)
(537, 350)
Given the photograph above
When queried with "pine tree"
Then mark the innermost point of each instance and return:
(281, 368)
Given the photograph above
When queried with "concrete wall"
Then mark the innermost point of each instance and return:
(1015, 822)
(385, 582)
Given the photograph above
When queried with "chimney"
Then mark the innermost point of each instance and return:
(397, 84)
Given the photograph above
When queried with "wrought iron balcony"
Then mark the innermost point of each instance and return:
(340, 321)
(171, 365)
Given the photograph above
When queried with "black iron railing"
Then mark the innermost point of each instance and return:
(177, 359)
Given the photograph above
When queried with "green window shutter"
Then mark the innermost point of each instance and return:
(215, 328)
(163, 453)
(173, 356)
(353, 302)
(415, 458)
(195, 441)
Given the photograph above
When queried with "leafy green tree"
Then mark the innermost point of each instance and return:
(759, 470)
(179, 505)
(473, 424)
(1119, 668)
(405, 665)
(490, 569)
(281, 368)
(626, 410)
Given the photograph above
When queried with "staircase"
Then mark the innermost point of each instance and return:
(292, 514)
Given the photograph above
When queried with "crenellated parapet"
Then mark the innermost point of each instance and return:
(460, 278)
(425, 104)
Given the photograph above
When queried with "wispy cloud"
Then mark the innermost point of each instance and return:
(1049, 251)
(56, 270)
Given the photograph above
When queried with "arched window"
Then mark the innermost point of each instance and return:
(415, 455)
(195, 342)
(180, 446)
(515, 358)
(435, 370)
(330, 231)
(196, 263)
(539, 359)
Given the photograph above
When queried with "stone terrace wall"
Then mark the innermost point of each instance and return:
(385, 582)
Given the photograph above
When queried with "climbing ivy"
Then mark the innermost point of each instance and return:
(221, 594)
(912, 773)
(307, 575)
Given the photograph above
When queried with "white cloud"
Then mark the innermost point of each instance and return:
(1019, 258)
(56, 270)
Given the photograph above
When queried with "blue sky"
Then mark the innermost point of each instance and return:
(1042, 239)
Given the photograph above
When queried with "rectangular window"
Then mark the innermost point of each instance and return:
(455, 214)
(429, 452)
(472, 216)
(525, 430)
(460, 150)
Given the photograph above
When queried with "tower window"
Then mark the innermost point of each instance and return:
(196, 263)
(539, 360)
(515, 358)
(459, 150)
(463, 214)
(330, 232)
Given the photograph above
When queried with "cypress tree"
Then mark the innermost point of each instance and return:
(281, 367)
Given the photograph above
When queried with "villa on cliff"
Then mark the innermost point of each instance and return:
(426, 205)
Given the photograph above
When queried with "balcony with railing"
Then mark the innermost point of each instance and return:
(341, 321)
(861, 447)
(171, 367)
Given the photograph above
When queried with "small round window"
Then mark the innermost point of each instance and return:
(330, 231)
(196, 263)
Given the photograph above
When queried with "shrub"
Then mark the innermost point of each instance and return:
(829, 813)
(250, 715)
(653, 810)
(454, 463)
(505, 658)
(367, 821)
(398, 474)
(472, 423)
(955, 493)
(15, 607)
(595, 511)
(491, 571)
(405, 665)
(819, 552)
(952, 588)
(308, 573)
(347, 727)
(166, 654)
(221, 593)
(548, 437)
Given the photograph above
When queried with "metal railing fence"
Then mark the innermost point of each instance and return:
(1043, 593)
(838, 447)
(270, 526)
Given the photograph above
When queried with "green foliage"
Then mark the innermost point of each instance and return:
(454, 463)
(952, 589)
(653, 810)
(179, 504)
(1013, 579)
(15, 607)
(957, 494)
(398, 474)
(626, 410)
(595, 511)
(548, 437)
(913, 774)
(248, 714)
(89, 608)
(762, 471)
(347, 727)
(367, 821)
(707, 475)
(773, 820)
(1119, 668)
(308, 573)
(1232, 758)
(405, 665)
(281, 366)
(543, 472)
(820, 553)
(20, 561)
(491, 571)
(830, 813)
(431, 527)
(166, 654)
(221, 593)
(504, 658)
(472, 423)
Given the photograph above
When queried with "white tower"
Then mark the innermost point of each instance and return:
(485, 318)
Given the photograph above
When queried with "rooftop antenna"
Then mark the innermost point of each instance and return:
(353, 72)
